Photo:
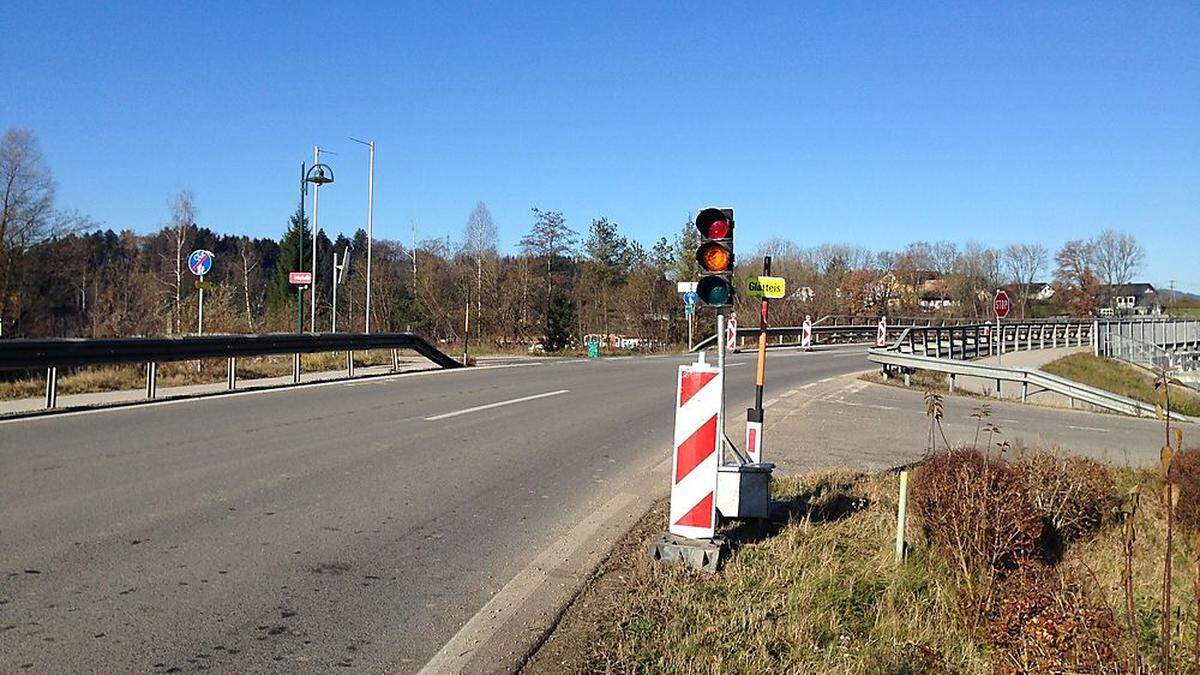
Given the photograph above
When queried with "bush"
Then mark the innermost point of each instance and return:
(1073, 495)
(975, 514)
(1187, 474)
(1047, 621)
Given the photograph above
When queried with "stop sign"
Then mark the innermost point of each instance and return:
(1001, 304)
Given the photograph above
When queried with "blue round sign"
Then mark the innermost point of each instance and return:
(200, 262)
(690, 298)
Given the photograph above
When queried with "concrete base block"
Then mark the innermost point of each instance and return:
(743, 490)
(700, 554)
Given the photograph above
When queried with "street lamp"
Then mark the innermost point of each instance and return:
(370, 221)
(320, 174)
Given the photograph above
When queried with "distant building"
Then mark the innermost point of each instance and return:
(1137, 298)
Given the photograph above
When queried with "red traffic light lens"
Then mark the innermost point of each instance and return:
(715, 223)
(718, 229)
(714, 257)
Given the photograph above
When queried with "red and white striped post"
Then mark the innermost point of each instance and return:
(806, 333)
(694, 465)
(881, 334)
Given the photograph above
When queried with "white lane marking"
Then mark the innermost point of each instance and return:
(497, 404)
(1072, 426)
(827, 379)
(810, 385)
(790, 392)
(734, 365)
(770, 403)
(456, 654)
(137, 404)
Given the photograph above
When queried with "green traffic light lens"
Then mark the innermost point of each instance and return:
(714, 291)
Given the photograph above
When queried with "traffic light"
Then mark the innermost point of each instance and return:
(715, 255)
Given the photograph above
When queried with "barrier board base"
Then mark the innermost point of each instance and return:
(700, 554)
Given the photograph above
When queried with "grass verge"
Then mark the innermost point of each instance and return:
(1120, 378)
(823, 592)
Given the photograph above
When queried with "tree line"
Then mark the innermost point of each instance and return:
(62, 275)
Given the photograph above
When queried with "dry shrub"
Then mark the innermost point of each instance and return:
(1074, 495)
(1186, 467)
(975, 514)
(1049, 620)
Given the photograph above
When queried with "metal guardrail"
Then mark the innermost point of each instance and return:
(972, 341)
(781, 334)
(53, 354)
(1028, 378)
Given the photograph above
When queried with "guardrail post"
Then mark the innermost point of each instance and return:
(395, 360)
(952, 382)
(295, 369)
(997, 387)
(350, 364)
(1024, 390)
(51, 387)
(151, 379)
(231, 373)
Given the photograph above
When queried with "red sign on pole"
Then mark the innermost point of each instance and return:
(1001, 304)
(300, 278)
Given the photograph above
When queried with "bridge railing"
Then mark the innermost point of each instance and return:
(52, 354)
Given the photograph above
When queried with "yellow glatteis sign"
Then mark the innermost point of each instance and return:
(771, 288)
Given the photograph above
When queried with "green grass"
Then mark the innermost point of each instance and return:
(1120, 378)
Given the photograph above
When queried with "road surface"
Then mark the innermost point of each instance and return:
(357, 524)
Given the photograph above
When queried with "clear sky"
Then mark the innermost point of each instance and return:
(847, 122)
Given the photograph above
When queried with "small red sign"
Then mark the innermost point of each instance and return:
(300, 278)
(1001, 304)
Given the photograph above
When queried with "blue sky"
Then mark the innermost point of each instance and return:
(869, 123)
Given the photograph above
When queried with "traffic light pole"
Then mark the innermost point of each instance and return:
(721, 367)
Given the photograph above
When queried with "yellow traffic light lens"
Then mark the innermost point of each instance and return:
(714, 258)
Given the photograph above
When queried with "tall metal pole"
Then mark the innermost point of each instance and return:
(370, 228)
(300, 259)
(721, 369)
(312, 322)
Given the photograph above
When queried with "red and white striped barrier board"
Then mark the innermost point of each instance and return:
(881, 334)
(806, 333)
(694, 465)
(731, 333)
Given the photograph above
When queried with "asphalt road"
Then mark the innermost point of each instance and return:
(355, 524)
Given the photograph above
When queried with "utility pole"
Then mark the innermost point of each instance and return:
(370, 221)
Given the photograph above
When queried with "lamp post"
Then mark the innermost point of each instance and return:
(370, 221)
(318, 175)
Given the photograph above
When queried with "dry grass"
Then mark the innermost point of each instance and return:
(1120, 378)
(821, 594)
(132, 377)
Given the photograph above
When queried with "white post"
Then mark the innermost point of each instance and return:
(333, 326)
(200, 309)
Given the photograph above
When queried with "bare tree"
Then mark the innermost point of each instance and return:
(1116, 256)
(1024, 262)
(180, 232)
(27, 215)
(250, 262)
(479, 243)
